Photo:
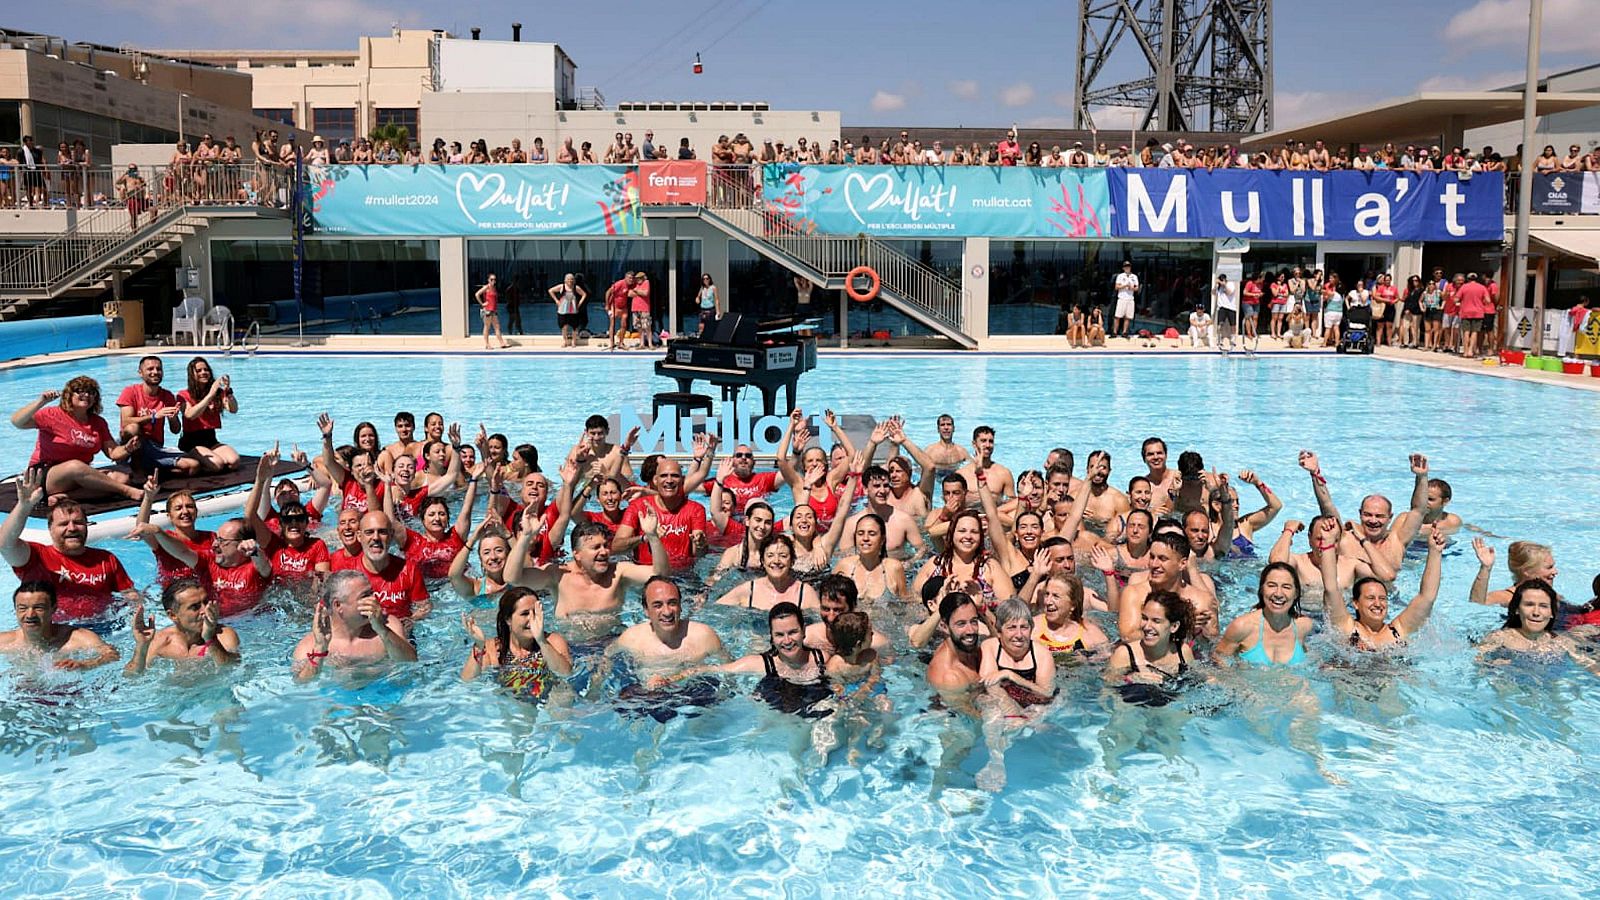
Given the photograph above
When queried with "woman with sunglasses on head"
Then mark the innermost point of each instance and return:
(204, 401)
(71, 432)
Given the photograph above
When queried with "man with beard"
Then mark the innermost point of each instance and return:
(396, 581)
(953, 671)
(1001, 482)
(85, 577)
(1106, 503)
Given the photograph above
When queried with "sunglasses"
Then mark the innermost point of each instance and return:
(744, 456)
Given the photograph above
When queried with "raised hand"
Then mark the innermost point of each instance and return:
(208, 621)
(372, 611)
(483, 439)
(249, 547)
(1436, 541)
(829, 419)
(1041, 562)
(532, 523)
(321, 627)
(30, 487)
(1294, 526)
(470, 626)
(325, 425)
(268, 461)
(453, 434)
(1484, 551)
(649, 525)
(144, 629)
(49, 397)
(1419, 464)
(1101, 557)
(880, 432)
(702, 443)
(568, 472)
(802, 437)
(1309, 462)
(632, 438)
(1248, 476)
(298, 455)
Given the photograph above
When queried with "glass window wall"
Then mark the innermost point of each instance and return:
(348, 287)
(1033, 284)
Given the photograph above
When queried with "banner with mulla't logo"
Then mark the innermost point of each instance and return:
(474, 200)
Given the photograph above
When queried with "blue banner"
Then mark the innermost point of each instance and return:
(939, 201)
(1558, 194)
(475, 200)
(1308, 206)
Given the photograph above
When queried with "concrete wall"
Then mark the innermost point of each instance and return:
(469, 66)
(499, 117)
(1580, 126)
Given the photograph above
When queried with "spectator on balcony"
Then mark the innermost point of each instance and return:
(567, 154)
(35, 173)
(341, 152)
(1591, 163)
(647, 150)
(515, 153)
(538, 154)
(1573, 161)
(8, 178)
(1077, 158)
(318, 154)
(687, 152)
(1010, 152)
(586, 154)
(412, 156)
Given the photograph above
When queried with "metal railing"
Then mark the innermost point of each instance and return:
(153, 207)
(735, 196)
(163, 186)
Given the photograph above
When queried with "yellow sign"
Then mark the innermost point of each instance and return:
(1587, 341)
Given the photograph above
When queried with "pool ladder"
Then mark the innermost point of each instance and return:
(248, 342)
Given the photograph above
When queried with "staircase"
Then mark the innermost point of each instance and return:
(734, 206)
(83, 259)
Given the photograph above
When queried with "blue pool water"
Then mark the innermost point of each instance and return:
(1429, 777)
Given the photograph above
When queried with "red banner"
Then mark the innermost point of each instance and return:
(672, 182)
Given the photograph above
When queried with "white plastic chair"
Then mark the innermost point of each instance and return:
(186, 318)
(219, 322)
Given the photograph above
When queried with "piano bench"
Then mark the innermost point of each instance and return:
(684, 403)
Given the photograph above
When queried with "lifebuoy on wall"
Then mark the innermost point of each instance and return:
(860, 296)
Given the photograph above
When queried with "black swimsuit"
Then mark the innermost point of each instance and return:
(1141, 694)
(1022, 695)
(795, 697)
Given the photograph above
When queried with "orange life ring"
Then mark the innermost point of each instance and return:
(870, 293)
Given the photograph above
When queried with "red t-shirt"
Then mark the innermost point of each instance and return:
(1387, 293)
(544, 550)
(639, 301)
(1473, 297)
(398, 585)
(169, 567)
(84, 583)
(431, 556)
(1252, 293)
(617, 296)
(760, 485)
(63, 438)
(288, 562)
(351, 496)
(1280, 294)
(209, 418)
(313, 518)
(237, 588)
(677, 530)
(1452, 300)
(342, 559)
(1010, 152)
(600, 517)
(134, 398)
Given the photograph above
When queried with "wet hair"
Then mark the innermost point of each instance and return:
(428, 445)
(1191, 465)
(849, 631)
(874, 472)
(1524, 555)
(1514, 608)
(1063, 466)
(777, 538)
(169, 594)
(1152, 440)
(294, 509)
(952, 602)
(597, 421)
(1355, 589)
(899, 461)
(36, 586)
(644, 593)
(784, 610)
(404, 418)
(83, 383)
(1178, 543)
(65, 505)
(1074, 586)
(1444, 486)
(1142, 512)
(431, 502)
(500, 438)
(1012, 610)
(873, 517)
(647, 469)
(839, 587)
(953, 478)
(502, 618)
(759, 504)
(1261, 586)
(982, 430)
(529, 454)
(1176, 610)
(588, 530)
(1135, 480)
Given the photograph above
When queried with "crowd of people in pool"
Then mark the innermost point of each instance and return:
(986, 586)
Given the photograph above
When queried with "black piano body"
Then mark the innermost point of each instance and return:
(740, 352)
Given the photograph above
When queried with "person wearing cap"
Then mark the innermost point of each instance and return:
(131, 190)
(1076, 158)
(1126, 286)
(318, 154)
(1168, 158)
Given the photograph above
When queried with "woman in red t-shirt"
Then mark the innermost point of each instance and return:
(203, 402)
(70, 434)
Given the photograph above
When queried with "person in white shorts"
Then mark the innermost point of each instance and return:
(1200, 326)
(1127, 286)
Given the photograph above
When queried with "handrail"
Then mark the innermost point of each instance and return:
(734, 196)
(202, 183)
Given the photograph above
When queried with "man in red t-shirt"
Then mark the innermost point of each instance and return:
(85, 577)
(535, 496)
(639, 303)
(396, 581)
(348, 532)
(1010, 149)
(233, 569)
(617, 304)
(1475, 305)
(739, 478)
(148, 408)
(682, 521)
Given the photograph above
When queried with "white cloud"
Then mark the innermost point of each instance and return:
(1051, 122)
(966, 89)
(1019, 94)
(1291, 108)
(242, 24)
(883, 101)
(1569, 25)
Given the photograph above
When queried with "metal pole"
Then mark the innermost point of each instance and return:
(181, 95)
(1519, 261)
(672, 276)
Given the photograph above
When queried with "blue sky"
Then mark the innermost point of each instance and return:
(933, 62)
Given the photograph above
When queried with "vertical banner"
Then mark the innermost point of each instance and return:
(672, 182)
(1590, 205)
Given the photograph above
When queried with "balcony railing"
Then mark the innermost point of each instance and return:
(160, 186)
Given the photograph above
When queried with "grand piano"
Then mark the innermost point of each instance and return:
(741, 351)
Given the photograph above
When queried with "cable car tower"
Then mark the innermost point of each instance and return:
(1187, 65)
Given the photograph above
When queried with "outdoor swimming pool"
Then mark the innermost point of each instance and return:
(1451, 779)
